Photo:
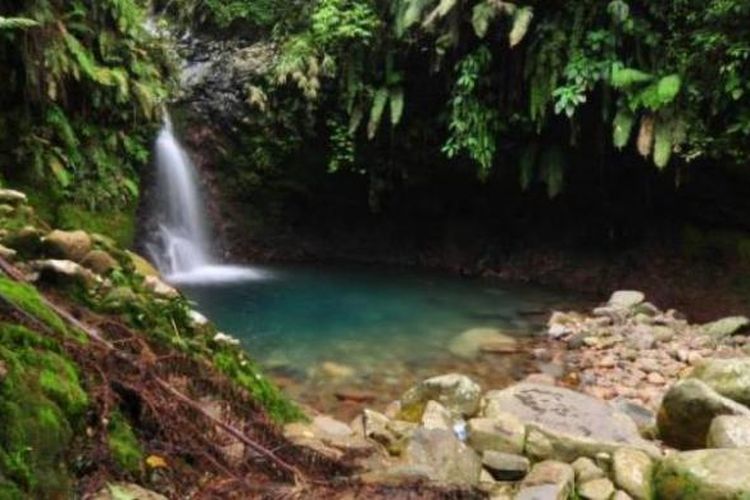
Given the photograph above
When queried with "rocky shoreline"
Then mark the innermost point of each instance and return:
(647, 406)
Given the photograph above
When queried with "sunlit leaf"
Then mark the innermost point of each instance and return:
(521, 22)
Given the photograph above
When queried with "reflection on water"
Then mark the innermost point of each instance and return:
(322, 329)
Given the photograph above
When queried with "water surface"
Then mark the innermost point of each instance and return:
(323, 329)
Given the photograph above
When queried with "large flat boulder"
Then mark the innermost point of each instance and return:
(564, 424)
(688, 409)
(719, 474)
(729, 377)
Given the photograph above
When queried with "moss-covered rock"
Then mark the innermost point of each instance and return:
(720, 474)
(70, 245)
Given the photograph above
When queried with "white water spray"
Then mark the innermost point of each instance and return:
(181, 249)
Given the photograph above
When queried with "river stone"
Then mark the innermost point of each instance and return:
(728, 377)
(565, 424)
(392, 434)
(469, 344)
(718, 474)
(586, 470)
(159, 288)
(458, 393)
(626, 299)
(505, 466)
(597, 489)
(504, 434)
(12, 196)
(448, 459)
(436, 416)
(70, 245)
(726, 326)
(548, 480)
(687, 410)
(632, 471)
(65, 272)
(729, 431)
(99, 261)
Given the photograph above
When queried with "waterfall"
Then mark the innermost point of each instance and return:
(180, 248)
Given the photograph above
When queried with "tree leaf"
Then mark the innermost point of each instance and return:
(625, 77)
(622, 126)
(356, 118)
(376, 112)
(396, 101)
(668, 88)
(59, 171)
(16, 23)
(662, 143)
(521, 22)
(482, 15)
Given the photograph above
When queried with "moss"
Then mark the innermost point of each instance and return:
(123, 444)
(42, 404)
(27, 298)
(234, 364)
(118, 225)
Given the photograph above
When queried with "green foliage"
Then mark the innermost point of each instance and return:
(86, 84)
(123, 444)
(680, 70)
(26, 298)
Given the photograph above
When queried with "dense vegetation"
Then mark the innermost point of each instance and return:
(497, 80)
(82, 88)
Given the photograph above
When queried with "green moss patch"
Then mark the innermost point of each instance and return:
(118, 225)
(42, 405)
(123, 444)
(27, 298)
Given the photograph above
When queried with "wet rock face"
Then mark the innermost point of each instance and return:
(217, 76)
(448, 459)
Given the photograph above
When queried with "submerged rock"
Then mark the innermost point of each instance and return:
(458, 393)
(729, 431)
(448, 459)
(470, 343)
(687, 411)
(565, 424)
(728, 377)
(719, 474)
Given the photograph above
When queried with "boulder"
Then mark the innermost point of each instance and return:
(26, 241)
(626, 299)
(327, 436)
(729, 377)
(470, 343)
(64, 272)
(688, 409)
(586, 469)
(725, 327)
(718, 474)
(436, 416)
(564, 424)
(548, 480)
(597, 489)
(12, 197)
(448, 459)
(159, 288)
(458, 393)
(99, 261)
(69, 245)
(506, 466)
(504, 434)
(632, 471)
(392, 434)
(729, 431)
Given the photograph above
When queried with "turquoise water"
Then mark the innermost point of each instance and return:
(386, 326)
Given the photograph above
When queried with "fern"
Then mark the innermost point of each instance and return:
(16, 23)
(376, 112)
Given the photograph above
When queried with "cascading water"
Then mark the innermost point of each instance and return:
(180, 248)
